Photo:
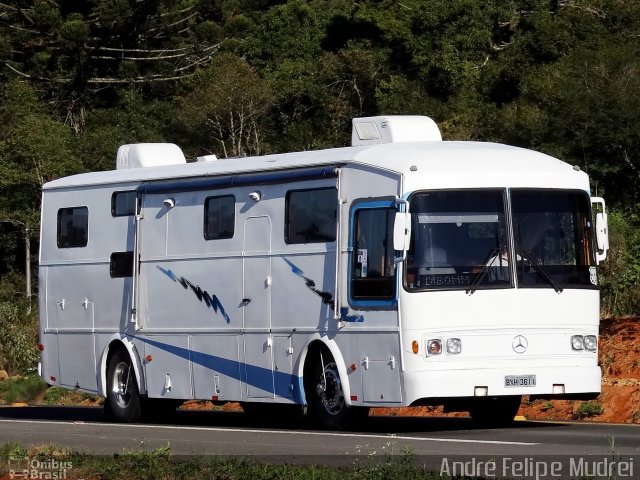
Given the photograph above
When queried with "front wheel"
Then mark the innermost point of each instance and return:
(326, 397)
(495, 411)
(123, 399)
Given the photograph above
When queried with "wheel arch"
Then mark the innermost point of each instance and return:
(119, 341)
(317, 343)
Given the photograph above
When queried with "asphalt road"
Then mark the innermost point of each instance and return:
(431, 441)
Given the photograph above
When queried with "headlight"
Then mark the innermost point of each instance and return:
(591, 343)
(434, 346)
(454, 346)
(577, 342)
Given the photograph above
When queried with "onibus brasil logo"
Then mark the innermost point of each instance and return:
(38, 468)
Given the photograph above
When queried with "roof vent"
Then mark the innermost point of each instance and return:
(140, 155)
(207, 158)
(394, 129)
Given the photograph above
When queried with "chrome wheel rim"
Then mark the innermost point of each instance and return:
(329, 390)
(121, 385)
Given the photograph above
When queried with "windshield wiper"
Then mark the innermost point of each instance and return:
(483, 273)
(538, 267)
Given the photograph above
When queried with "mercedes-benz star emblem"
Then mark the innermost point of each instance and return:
(519, 344)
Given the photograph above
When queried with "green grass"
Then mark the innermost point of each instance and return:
(160, 464)
(32, 389)
(21, 389)
(588, 409)
(63, 396)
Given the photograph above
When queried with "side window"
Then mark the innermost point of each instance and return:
(373, 270)
(123, 203)
(311, 215)
(121, 264)
(219, 217)
(73, 227)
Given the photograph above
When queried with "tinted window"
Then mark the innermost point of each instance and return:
(123, 203)
(372, 271)
(73, 227)
(219, 217)
(121, 264)
(311, 215)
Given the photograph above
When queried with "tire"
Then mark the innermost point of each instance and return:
(496, 411)
(123, 400)
(325, 397)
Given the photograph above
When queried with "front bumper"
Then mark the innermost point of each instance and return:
(424, 385)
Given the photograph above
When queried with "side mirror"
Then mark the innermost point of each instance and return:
(602, 230)
(401, 234)
(602, 236)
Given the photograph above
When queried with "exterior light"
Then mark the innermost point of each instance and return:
(414, 346)
(454, 346)
(577, 342)
(434, 346)
(591, 343)
(255, 196)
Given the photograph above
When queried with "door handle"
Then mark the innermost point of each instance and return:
(245, 302)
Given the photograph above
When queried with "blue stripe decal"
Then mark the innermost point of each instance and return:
(210, 300)
(327, 297)
(345, 317)
(262, 378)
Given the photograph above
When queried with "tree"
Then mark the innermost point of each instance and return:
(583, 105)
(34, 148)
(131, 119)
(227, 105)
(80, 52)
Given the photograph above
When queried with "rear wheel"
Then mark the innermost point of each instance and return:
(326, 396)
(495, 411)
(123, 399)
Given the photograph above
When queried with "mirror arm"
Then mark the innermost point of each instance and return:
(401, 201)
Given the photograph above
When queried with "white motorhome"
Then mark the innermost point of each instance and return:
(403, 270)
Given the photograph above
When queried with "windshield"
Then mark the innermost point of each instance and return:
(553, 229)
(458, 240)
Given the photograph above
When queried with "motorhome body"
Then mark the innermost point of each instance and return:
(379, 274)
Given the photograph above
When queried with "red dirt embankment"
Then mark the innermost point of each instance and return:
(619, 357)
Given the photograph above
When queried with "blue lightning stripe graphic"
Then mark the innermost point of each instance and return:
(210, 300)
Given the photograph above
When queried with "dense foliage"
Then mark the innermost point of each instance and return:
(236, 77)
(18, 352)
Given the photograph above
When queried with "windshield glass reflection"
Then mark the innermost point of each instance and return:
(459, 240)
(553, 231)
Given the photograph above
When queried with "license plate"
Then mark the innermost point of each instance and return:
(520, 381)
